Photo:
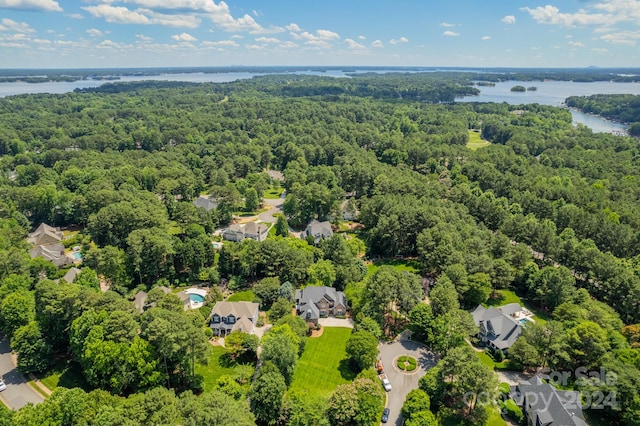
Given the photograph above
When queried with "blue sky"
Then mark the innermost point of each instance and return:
(462, 33)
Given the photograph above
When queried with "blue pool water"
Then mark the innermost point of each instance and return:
(196, 298)
(77, 255)
(523, 321)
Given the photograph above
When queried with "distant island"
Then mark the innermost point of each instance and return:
(532, 89)
(518, 89)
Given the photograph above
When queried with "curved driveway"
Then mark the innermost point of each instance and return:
(402, 383)
(18, 392)
(275, 205)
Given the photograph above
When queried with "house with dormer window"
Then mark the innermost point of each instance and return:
(313, 303)
(231, 316)
(498, 327)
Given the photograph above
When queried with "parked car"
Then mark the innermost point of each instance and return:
(2, 385)
(379, 367)
(385, 382)
(385, 415)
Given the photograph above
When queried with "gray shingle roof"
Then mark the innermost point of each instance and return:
(310, 296)
(206, 202)
(499, 328)
(545, 405)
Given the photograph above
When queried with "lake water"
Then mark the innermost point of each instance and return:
(554, 93)
(547, 93)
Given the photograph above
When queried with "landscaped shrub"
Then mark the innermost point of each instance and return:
(512, 410)
(504, 387)
(407, 363)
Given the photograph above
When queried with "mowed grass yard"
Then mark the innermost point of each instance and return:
(399, 264)
(216, 367)
(475, 141)
(323, 366)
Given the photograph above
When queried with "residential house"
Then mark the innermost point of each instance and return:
(544, 405)
(231, 316)
(207, 202)
(256, 231)
(499, 328)
(318, 230)
(313, 303)
(44, 235)
(140, 299)
(253, 230)
(234, 233)
(71, 275)
(46, 241)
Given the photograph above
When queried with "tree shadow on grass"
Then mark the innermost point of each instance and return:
(72, 377)
(346, 370)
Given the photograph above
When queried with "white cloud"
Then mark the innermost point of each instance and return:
(486, 38)
(400, 40)
(237, 36)
(599, 50)
(327, 35)
(509, 19)
(625, 37)
(378, 44)
(117, 14)
(222, 43)
(447, 25)
(75, 16)
(143, 38)
(267, 40)
(45, 5)
(354, 45)
(552, 15)
(122, 15)
(293, 27)
(361, 37)
(184, 37)
(7, 24)
(575, 43)
(320, 39)
(178, 21)
(93, 32)
(450, 34)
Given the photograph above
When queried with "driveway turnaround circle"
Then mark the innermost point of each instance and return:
(401, 381)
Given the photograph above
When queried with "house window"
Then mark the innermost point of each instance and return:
(231, 320)
(216, 319)
(323, 312)
(339, 312)
(308, 315)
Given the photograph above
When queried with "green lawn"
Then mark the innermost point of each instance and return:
(217, 366)
(489, 362)
(64, 375)
(401, 265)
(322, 366)
(242, 296)
(475, 141)
(273, 194)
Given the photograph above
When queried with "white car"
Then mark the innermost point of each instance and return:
(385, 382)
(2, 385)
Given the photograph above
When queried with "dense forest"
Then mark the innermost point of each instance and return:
(547, 210)
(624, 108)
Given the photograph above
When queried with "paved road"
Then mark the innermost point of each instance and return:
(276, 207)
(18, 392)
(402, 383)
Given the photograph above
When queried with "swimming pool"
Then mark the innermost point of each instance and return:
(196, 298)
(77, 255)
